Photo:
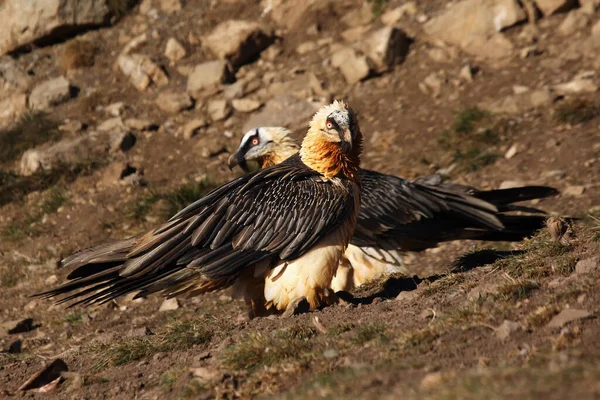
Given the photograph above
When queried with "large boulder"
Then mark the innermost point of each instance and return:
(286, 110)
(474, 26)
(26, 22)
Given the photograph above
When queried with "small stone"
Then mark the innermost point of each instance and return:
(549, 7)
(245, 105)
(330, 354)
(306, 47)
(170, 6)
(139, 124)
(206, 374)
(506, 329)
(50, 93)
(191, 128)
(169, 305)
(115, 109)
(520, 89)
(51, 280)
(511, 184)
(574, 22)
(355, 34)
(578, 85)
(574, 190)
(218, 109)
(354, 68)
(46, 376)
(386, 47)
(208, 77)
(587, 265)
(116, 172)
(111, 124)
(566, 316)
(174, 50)
(511, 152)
(555, 174)
(141, 70)
(238, 41)
(140, 332)
(432, 380)
(174, 102)
(121, 140)
(407, 296)
(394, 16)
(466, 73)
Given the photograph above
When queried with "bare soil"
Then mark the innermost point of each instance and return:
(432, 335)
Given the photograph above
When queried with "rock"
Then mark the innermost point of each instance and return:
(117, 172)
(354, 34)
(50, 93)
(238, 41)
(174, 102)
(330, 354)
(574, 22)
(139, 124)
(169, 305)
(191, 128)
(28, 22)
(466, 73)
(549, 7)
(307, 47)
(432, 380)
(121, 140)
(297, 307)
(386, 47)
(111, 124)
(208, 77)
(206, 374)
(51, 280)
(140, 332)
(353, 67)
(407, 296)
(218, 109)
(174, 50)
(577, 85)
(245, 105)
(115, 109)
(510, 184)
(285, 110)
(12, 107)
(46, 376)
(434, 83)
(141, 70)
(73, 151)
(394, 16)
(555, 174)
(17, 326)
(574, 190)
(587, 265)
(506, 329)
(511, 152)
(473, 25)
(12, 78)
(566, 316)
(169, 6)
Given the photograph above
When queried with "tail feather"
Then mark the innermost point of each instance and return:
(504, 197)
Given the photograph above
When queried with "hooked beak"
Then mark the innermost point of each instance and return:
(237, 159)
(346, 139)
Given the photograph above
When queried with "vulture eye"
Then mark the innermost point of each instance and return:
(254, 141)
(329, 125)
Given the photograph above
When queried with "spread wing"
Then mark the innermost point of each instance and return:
(276, 213)
(397, 214)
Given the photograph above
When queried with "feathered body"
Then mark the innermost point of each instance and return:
(276, 235)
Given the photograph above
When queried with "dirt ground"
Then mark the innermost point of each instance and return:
(477, 320)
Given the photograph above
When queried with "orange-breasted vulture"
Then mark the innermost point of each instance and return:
(397, 215)
(275, 235)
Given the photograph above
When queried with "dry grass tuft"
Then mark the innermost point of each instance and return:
(78, 54)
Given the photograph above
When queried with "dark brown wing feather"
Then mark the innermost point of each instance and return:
(276, 213)
(397, 214)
